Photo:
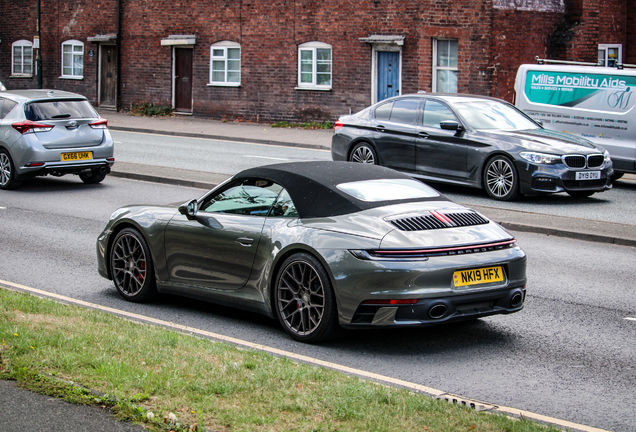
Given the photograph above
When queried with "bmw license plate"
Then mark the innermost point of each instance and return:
(478, 276)
(588, 175)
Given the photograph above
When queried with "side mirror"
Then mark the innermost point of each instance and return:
(451, 125)
(189, 209)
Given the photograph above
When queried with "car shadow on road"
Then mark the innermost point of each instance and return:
(479, 197)
(446, 338)
(56, 184)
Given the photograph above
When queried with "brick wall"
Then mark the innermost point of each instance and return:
(269, 34)
(518, 37)
(629, 53)
(16, 24)
(60, 21)
(494, 38)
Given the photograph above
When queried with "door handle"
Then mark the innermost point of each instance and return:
(244, 241)
(380, 128)
(423, 135)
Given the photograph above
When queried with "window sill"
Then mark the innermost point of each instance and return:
(21, 76)
(72, 77)
(313, 88)
(223, 84)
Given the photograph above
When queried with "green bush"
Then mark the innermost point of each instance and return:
(150, 109)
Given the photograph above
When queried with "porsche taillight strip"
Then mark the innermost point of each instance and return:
(425, 253)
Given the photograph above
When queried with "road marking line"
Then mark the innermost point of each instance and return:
(346, 369)
(631, 319)
(265, 157)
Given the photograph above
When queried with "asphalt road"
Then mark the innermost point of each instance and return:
(228, 157)
(570, 354)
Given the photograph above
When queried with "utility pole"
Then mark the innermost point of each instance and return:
(38, 58)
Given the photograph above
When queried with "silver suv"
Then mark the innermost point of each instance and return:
(52, 132)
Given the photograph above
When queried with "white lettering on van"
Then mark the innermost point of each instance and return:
(577, 81)
(613, 83)
(542, 79)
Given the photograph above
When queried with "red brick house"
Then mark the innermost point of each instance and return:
(298, 59)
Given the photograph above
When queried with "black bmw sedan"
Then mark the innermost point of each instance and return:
(472, 141)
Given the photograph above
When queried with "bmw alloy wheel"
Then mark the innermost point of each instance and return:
(501, 179)
(363, 153)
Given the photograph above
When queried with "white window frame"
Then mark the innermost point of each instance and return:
(23, 45)
(224, 45)
(437, 68)
(74, 54)
(313, 47)
(605, 49)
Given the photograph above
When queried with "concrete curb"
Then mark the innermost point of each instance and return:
(163, 180)
(568, 234)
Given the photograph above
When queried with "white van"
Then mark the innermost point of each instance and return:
(594, 102)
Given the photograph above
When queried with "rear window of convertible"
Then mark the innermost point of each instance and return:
(387, 190)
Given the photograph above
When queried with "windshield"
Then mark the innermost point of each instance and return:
(388, 190)
(59, 109)
(486, 114)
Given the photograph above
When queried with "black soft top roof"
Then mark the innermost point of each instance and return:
(312, 185)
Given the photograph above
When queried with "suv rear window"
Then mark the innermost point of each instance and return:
(59, 109)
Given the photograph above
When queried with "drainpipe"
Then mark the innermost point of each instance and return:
(38, 58)
(118, 44)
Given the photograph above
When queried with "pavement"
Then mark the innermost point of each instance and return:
(22, 410)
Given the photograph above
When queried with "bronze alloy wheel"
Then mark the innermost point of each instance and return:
(304, 299)
(131, 266)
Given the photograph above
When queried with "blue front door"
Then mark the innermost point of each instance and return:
(388, 74)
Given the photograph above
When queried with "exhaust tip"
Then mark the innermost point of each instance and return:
(516, 300)
(437, 311)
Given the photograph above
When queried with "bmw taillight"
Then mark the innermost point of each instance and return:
(338, 125)
(99, 124)
(29, 126)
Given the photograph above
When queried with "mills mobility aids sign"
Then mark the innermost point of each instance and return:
(613, 93)
(596, 103)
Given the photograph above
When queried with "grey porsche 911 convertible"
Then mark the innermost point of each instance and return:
(320, 246)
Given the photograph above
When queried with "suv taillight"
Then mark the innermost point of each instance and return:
(29, 126)
(99, 124)
(338, 125)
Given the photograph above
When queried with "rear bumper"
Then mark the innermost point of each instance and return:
(60, 169)
(432, 311)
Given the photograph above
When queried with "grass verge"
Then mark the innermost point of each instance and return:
(172, 381)
(306, 125)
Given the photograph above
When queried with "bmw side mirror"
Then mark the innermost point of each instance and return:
(451, 125)
(189, 209)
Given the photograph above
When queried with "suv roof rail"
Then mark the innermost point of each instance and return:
(546, 61)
